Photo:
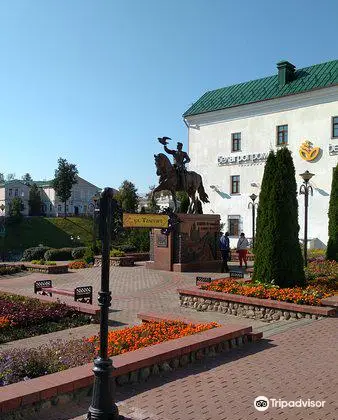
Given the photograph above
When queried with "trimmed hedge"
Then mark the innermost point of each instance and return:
(117, 253)
(9, 269)
(126, 248)
(79, 252)
(35, 253)
(62, 254)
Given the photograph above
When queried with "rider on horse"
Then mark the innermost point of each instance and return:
(180, 159)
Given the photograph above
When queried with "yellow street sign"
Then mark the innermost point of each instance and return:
(145, 220)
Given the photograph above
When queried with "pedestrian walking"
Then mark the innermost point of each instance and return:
(224, 244)
(242, 249)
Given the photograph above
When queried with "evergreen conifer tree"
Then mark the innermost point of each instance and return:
(332, 245)
(287, 262)
(264, 237)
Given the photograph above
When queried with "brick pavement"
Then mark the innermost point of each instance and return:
(298, 363)
(134, 289)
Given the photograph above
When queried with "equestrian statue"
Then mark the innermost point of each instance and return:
(175, 177)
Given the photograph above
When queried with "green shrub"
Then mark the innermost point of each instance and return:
(35, 253)
(78, 253)
(62, 254)
(126, 248)
(9, 269)
(89, 256)
(117, 253)
(38, 262)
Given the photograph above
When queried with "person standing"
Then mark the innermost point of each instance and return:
(225, 251)
(242, 249)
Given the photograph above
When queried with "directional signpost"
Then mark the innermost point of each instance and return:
(158, 221)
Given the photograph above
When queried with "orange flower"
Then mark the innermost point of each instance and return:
(147, 334)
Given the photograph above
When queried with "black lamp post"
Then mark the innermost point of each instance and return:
(103, 406)
(306, 189)
(3, 233)
(253, 206)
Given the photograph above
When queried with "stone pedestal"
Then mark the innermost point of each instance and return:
(193, 246)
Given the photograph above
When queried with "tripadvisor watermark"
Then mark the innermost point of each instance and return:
(262, 403)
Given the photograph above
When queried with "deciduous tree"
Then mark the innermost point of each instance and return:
(65, 178)
(34, 202)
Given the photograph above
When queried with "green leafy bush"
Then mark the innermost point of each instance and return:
(43, 262)
(9, 269)
(89, 256)
(126, 248)
(35, 253)
(78, 253)
(62, 254)
(38, 262)
(117, 253)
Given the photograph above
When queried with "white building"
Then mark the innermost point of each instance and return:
(80, 202)
(231, 131)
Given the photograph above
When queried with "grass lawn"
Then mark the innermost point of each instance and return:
(50, 231)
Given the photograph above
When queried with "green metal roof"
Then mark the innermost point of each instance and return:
(306, 79)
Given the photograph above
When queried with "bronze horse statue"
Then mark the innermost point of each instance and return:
(170, 180)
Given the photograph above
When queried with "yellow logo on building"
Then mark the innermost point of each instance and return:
(308, 152)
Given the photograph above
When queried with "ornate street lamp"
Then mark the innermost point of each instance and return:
(3, 231)
(253, 206)
(306, 189)
(103, 406)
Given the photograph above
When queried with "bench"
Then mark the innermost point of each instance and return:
(236, 274)
(82, 294)
(203, 280)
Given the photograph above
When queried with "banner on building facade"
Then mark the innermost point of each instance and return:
(242, 159)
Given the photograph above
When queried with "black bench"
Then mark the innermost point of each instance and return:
(82, 294)
(203, 280)
(236, 274)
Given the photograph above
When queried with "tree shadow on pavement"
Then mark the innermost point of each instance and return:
(195, 368)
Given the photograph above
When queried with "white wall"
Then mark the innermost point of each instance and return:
(308, 117)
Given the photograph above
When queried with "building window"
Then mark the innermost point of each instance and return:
(235, 184)
(10, 192)
(50, 208)
(233, 225)
(334, 127)
(16, 192)
(59, 207)
(235, 142)
(282, 135)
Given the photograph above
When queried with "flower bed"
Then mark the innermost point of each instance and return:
(47, 269)
(323, 273)
(22, 364)
(20, 400)
(310, 295)
(22, 317)
(133, 338)
(76, 265)
(264, 309)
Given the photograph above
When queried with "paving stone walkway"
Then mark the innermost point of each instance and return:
(134, 289)
(298, 361)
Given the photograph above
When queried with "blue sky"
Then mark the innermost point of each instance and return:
(96, 82)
